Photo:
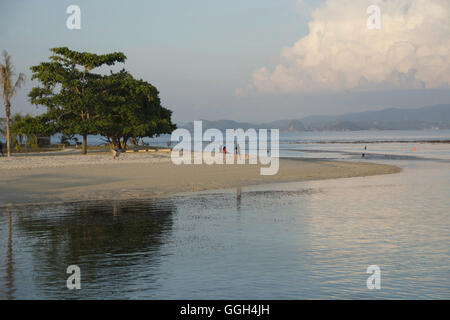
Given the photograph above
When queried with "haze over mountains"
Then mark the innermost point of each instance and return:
(432, 117)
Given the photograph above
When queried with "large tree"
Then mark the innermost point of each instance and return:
(70, 90)
(8, 88)
(130, 109)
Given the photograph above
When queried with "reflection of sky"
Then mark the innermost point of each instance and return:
(297, 240)
(390, 221)
(307, 144)
(399, 222)
(348, 150)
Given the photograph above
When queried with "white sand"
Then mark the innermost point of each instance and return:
(59, 178)
(69, 160)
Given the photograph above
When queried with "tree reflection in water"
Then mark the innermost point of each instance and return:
(105, 239)
(9, 265)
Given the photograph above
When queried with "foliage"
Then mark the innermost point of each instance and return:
(33, 126)
(131, 110)
(116, 105)
(29, 127)
(69, 90)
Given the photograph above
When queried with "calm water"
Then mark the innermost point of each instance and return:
(304, 240)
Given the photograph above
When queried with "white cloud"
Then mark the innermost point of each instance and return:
(411, 50)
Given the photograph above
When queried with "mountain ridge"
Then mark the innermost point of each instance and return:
(430, 117)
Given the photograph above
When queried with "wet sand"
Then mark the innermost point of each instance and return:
(65, 178)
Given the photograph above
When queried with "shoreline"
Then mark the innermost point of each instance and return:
(445, 141)
(48, 180)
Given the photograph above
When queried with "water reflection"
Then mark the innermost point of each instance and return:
(106, 240)
(284, 241)
(238, 198)
(9, 274)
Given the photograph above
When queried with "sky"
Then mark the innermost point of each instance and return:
(252, 60)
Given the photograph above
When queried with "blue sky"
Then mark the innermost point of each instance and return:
(198, 53)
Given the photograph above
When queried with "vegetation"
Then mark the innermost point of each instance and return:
(131, 110)
(26, 129)
(69, 89)
(8, 89)
(116, 105)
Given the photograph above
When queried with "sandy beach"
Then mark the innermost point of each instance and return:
(61, 178)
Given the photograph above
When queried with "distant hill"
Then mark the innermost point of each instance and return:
(219, 124)
(437, 117)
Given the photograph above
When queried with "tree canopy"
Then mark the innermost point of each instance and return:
(131, 109)
(78, 101)
(69, 89)
(33, 126)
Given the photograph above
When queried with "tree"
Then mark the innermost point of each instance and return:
(17, 136)
(70, 90)
(8, 91)
(130, 109)
(33, 126)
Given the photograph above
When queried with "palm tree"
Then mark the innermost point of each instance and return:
(8, 90)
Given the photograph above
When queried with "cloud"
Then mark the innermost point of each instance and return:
(411, 50)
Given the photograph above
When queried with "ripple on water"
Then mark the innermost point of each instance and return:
(296, 240)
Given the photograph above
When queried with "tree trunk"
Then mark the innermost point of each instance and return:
(8, 136)
(114, 143)
(124, 143)
(84, 145)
